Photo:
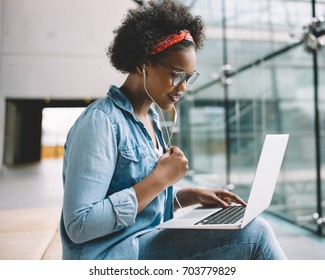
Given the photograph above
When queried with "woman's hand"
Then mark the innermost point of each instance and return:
(172, 166)
(220, 197)
(207, 197)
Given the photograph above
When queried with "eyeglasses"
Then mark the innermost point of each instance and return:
(180, 77)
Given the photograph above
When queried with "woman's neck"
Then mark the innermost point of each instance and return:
(134, 91)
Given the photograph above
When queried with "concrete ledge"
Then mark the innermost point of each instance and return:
(30, 234)
(54, 250)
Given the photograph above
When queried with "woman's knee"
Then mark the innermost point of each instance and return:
(260, 229)
(261, 224)
(267, 245)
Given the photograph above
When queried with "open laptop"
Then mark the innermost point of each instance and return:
(260, 196)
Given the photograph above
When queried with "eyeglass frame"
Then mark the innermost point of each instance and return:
(177, 73)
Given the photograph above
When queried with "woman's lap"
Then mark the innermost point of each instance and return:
(255, 241)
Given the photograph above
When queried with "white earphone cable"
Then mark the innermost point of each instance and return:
(169, 135)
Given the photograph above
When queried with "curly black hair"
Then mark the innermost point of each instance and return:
(144, 27)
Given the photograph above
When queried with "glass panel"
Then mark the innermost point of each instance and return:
(321, 91)
(209, 61)
(320, 11)
(275, 24)
(203, 135)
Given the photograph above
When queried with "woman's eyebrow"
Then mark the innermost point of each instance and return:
(178, 69)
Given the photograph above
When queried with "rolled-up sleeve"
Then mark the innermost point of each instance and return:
(125, 207)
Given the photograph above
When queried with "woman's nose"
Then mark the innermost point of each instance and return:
(182, 86)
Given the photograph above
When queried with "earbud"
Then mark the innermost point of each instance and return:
(144, 69)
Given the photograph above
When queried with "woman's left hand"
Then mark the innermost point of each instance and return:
(219, 197)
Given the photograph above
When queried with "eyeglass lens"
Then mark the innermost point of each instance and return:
(189, 78)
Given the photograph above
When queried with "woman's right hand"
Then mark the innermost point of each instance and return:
(171, 166)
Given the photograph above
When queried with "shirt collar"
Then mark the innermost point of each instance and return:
(120, 100)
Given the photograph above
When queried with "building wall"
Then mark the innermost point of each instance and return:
(56, 49)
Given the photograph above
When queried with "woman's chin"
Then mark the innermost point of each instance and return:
(168, 107)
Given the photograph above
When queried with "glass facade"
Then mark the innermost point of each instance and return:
(273, 84)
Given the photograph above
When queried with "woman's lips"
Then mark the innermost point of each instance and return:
(174, 97)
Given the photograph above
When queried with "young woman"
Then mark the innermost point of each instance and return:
(118, 171)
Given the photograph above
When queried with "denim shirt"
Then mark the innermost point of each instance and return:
(107, 151)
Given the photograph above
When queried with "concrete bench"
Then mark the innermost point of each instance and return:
(30, 234)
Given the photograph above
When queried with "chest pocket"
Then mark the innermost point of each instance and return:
(134, 163)
(136, 153)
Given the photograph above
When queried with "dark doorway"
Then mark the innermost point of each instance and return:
(23, 128)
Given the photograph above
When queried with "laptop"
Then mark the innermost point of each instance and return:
(260, 196)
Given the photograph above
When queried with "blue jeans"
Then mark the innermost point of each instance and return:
(256, 241)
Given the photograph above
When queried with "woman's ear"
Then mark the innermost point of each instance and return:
(141, 69)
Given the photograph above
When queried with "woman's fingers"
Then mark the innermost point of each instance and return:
(226, 195)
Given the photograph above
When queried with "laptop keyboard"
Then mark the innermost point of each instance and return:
(228, 215)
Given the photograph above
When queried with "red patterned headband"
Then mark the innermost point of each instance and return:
(172, 39)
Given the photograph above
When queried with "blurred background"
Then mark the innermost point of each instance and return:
(262, 71)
